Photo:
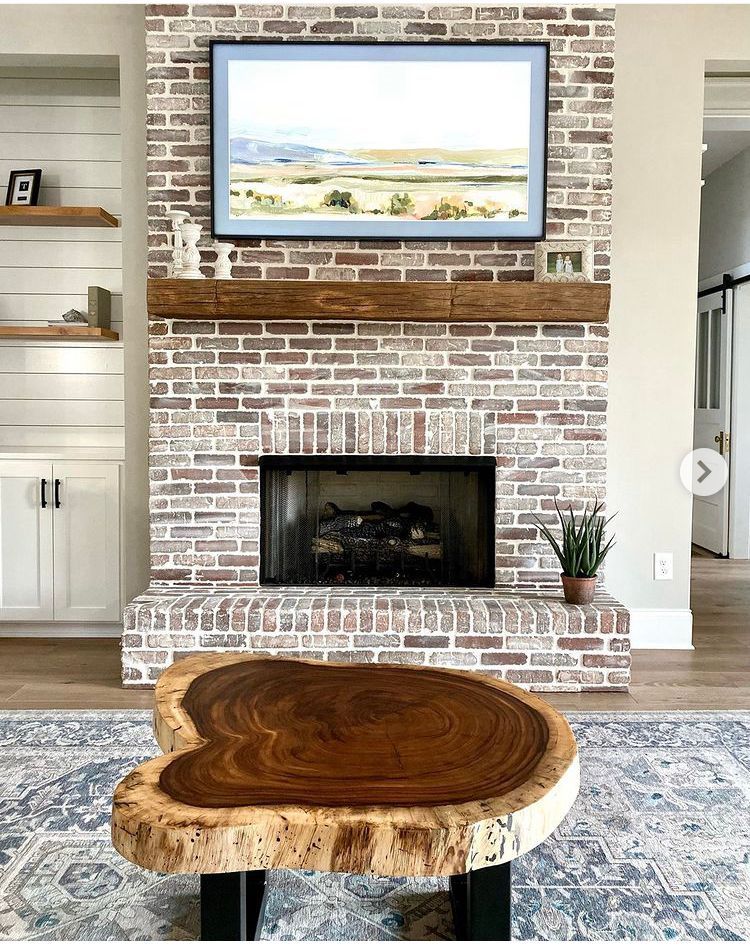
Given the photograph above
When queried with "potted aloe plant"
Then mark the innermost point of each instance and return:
(582, 550)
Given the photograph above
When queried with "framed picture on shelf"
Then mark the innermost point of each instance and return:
(563, 261)
(23, 186)
(379, 140)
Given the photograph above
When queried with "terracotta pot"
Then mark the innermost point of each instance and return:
(578, 590)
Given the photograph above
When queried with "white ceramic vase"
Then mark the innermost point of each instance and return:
(176, 218)
(223, 267)
(191, 256)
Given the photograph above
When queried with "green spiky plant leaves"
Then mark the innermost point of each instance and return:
(584, 545)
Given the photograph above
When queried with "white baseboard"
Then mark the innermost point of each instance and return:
(56, 629)
(661, 630)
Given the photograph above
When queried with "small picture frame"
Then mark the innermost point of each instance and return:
(563, 261)
(23, 186)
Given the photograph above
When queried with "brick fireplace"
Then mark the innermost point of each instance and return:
(231, 394)
(234, 396)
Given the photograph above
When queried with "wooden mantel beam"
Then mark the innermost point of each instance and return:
(433, 302)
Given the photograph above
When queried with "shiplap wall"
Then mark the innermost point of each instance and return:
(65, 121)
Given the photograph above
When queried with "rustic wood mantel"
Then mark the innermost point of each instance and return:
(490, 302)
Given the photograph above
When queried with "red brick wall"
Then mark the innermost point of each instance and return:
(533, 396)
(580, 130)
(536, 394)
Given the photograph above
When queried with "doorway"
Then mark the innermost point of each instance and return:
(720, 573)
(721, 522)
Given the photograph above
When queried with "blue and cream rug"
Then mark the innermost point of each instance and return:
(657, 846)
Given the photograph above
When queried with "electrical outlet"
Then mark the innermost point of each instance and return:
(663, 566)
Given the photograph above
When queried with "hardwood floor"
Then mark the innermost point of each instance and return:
(716, 675)
(74, 673)
(44, 673)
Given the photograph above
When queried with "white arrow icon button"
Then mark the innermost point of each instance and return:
(704, 472)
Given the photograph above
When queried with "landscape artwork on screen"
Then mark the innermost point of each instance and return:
(369, 143)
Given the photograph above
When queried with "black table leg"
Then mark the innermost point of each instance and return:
(481, 904)
(232, 906)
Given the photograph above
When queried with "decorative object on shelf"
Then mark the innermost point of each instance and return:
(563, 261)
(72, 316)
(191, 256)
(386, 161)
(23, 186)
(177, 218)
(99, 307)
(584, 547)
(223, 267)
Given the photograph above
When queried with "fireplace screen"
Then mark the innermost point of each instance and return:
(372, 520)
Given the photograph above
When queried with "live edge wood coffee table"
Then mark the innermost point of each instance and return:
(376, 770)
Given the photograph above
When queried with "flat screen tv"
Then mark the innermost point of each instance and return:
(379, 140)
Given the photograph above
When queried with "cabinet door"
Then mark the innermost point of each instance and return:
(26, 541)
(86, 541)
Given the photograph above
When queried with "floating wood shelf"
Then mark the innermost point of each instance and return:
(433, 302)
(69, 330)
(53, 216)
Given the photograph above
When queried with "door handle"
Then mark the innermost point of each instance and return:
(57, 493)
(723, 440)
(44, 493)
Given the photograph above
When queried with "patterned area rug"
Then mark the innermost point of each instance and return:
(657, 846)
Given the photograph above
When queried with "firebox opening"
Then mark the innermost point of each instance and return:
(405, 521)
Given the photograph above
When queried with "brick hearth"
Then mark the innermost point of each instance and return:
(534, 640)
(224, 392)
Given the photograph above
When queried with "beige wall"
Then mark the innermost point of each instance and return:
(661, 54)
(725, 217)
(108, 30)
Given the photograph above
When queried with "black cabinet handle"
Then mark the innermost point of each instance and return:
(44, 493)
(57, 493)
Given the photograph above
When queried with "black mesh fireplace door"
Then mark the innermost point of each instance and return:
(408, 521)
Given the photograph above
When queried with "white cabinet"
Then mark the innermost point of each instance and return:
(26, 592)
(59, 541)
(86, 541)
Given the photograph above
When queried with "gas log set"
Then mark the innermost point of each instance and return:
(379, 545)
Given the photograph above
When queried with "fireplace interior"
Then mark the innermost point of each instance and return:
(372, 520)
